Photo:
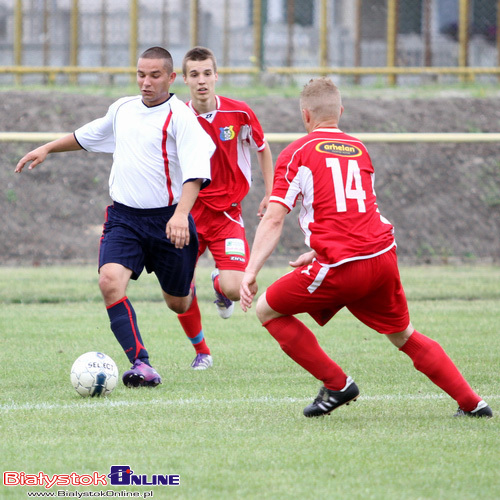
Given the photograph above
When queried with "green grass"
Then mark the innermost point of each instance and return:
(282, 87)
(237, 430)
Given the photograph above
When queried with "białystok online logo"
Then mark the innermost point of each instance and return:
(119, 475)
(122, 475)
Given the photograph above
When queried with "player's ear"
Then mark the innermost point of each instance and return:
(306, 117)
(172, 77)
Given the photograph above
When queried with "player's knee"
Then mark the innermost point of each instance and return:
(177, 308)
(399, 339)
(108, 285)
(104, 282)
(113, 280)
(178, 305)
(230, 285)
(232, 293)
(264, 311)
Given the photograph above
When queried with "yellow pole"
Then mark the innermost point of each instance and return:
(257, 33)
(324, 34)
(18, 37)
(392, 37)
(195, 14)
(73, 50)
(427, 22)
(134, 35)
(463, 35)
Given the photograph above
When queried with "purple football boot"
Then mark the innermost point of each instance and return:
(140, 375)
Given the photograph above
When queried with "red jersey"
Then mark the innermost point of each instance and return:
(334, 176)
(235, 130)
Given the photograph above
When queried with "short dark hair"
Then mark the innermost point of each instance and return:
(159, 53)
(198, 54)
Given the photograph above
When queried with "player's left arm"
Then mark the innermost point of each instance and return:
(177, 229)
(265, 159)
(304, 259)
(266, 239)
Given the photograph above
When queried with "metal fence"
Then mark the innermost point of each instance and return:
(359, 40)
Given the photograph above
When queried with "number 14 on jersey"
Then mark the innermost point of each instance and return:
(353, 186)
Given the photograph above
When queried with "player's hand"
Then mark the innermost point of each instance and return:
(263, 207)
(36, 157)
(303, 259)
(248, 290)
(177, 230)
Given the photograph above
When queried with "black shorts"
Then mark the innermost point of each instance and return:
(135, 238)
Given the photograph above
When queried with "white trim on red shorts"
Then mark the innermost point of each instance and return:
(325, 267)
(360, 257)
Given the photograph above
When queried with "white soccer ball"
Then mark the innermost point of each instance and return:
(94, 374)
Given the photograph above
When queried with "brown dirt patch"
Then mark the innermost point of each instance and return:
(444, 199)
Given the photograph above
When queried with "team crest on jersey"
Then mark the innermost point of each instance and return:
(338, 148)
(227, 133)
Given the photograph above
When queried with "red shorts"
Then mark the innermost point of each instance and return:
(370, 288)
(223, 233)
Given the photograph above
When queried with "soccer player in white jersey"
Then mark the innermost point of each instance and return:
(161, 160)
(235, 130)
(352, 262)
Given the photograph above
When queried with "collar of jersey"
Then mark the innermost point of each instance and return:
(326, 129)
(217, 106)
(161, 103)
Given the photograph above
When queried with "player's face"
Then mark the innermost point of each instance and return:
(154, 81)
(200, 77)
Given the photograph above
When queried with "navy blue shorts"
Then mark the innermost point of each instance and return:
(135, 238)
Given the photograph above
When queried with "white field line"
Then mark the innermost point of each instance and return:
(110, 403)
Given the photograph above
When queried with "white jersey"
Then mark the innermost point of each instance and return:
(155, 150)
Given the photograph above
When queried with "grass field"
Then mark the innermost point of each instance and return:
(282, 88)
(236, 431)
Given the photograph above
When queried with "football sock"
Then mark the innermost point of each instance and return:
(217, 287)
(191, 323)
(430, 358)
(300, 343)
(124, 325)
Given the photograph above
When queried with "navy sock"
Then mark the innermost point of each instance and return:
(123, 323)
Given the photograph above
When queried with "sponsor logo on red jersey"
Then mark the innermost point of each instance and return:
(338, 148)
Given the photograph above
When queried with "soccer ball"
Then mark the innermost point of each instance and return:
(94, 374)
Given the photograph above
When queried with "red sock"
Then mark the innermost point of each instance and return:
(430, 358)
(301, 345)
(191, 323)
(217, 287)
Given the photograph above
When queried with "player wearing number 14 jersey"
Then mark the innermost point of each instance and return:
(333, 174)
(352, 263)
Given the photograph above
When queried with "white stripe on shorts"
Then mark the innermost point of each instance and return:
(318, 280)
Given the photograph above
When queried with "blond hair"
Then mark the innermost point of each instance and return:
(322, 98)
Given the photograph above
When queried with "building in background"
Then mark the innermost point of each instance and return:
(290, 30)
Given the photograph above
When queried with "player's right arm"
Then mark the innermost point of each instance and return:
(265, 159)
(38, 155)
(266, 239)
